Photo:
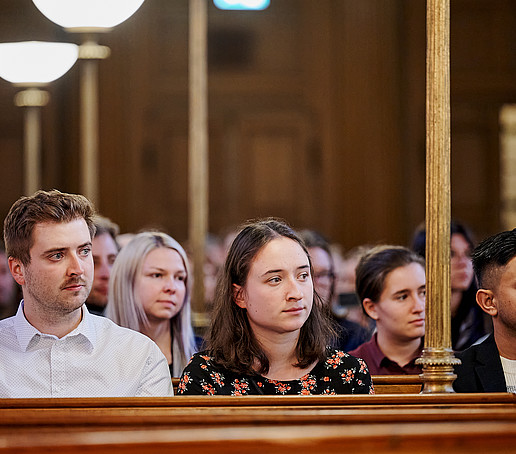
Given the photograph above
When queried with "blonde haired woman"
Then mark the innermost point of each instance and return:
(149, 292)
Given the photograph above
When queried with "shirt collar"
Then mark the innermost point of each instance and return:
(381, 360)
(25, 332)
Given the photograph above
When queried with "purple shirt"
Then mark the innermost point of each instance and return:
(379, 364)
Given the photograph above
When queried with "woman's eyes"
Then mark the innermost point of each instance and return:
(304, 276)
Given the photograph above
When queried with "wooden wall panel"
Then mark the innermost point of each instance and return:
(334, 87)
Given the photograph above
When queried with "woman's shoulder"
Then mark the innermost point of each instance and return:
(338, 360)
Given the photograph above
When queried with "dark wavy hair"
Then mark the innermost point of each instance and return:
(230, 340)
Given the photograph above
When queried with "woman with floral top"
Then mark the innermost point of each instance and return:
(270, 331)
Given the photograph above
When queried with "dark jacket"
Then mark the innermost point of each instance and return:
(481, 369)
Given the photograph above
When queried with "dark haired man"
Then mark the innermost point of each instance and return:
(53, 347)
(490, 366)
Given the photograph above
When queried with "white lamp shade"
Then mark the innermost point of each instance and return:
(36, 62)
(88, 13)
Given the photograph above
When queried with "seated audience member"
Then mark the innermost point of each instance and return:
(104, 249)
(124, 238)
(269, 333)
(53, 347)
(150, 293)
(391, 285)
(351, 334)
(214, 258)
(8, 287)
(490, 366)
(346, 303)
(468, 322)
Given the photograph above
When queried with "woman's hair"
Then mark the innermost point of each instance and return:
(124, 308)
(419, 237)
(231, 340)
(376, 264)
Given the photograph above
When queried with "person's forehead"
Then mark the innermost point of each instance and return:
(406, 276)
(60, 234)
(104, 242)
(320, 258)
(280, 253)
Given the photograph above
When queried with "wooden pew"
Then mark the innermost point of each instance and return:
(382, 423)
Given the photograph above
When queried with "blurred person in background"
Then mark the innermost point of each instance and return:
(351, 334)
(468, 322)
(104, 249)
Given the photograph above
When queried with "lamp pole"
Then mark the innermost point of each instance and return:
(89, 54)
(32, 99)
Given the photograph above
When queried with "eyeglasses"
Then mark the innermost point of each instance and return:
(324, 275)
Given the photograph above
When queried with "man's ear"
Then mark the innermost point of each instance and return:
(370, 308)
(238, 296)
(486, 300)
(17, 270)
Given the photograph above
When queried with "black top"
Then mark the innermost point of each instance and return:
(340, 373)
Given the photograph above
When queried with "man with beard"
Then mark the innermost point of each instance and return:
(53, 347)
(490, 366)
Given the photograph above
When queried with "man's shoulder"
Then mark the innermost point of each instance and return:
(106, 328)
(486, 347)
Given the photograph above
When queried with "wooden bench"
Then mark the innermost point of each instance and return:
(402, 423)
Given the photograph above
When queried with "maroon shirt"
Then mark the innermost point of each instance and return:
(379, 364)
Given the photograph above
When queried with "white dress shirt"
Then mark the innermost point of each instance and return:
(97, 359)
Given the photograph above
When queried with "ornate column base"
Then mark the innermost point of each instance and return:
(438, 375)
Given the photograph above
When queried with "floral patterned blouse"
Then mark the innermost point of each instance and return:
(340, 373)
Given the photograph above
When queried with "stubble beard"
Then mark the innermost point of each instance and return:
(56, 303)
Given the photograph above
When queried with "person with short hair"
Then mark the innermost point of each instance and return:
(490, 366)
(53, 347)
(390, 282)
(350, 334)
(8, 287)
(270, 332)
(104, 249)
(150, 292)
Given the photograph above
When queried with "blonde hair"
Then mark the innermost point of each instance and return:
(123, 307)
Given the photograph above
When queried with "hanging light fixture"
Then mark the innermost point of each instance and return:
(89, 18)
(31, 65)
(88, 15)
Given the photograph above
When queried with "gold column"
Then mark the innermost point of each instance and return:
(198, 152)
(437, 359)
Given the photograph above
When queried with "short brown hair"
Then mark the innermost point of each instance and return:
(105, 225)
(43, 206)
(376, 264)
(231, 341)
